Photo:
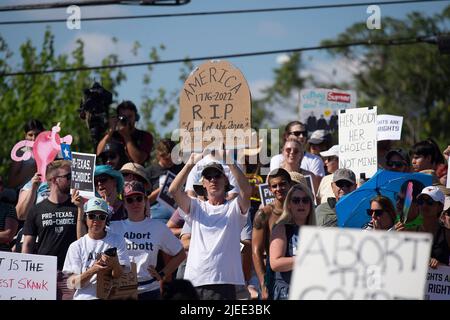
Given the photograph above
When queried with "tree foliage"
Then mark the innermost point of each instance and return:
(408, 80)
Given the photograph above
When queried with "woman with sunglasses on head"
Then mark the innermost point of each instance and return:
(382, 214)
(86, 257)
(298, 210)
(313, 163)
(293, 155)
(145, 237)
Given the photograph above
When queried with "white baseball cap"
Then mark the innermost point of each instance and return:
(332, 152)
(434, 192)
(96, 204)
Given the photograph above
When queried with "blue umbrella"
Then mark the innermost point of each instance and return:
(351, 210)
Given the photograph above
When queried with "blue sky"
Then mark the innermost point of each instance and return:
(205, 36)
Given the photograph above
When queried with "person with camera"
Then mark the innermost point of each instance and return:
(97, 251)
(137, 143)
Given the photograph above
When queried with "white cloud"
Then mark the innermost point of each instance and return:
(332, 70)
(97, 46)
(271, 29)
(283, 58)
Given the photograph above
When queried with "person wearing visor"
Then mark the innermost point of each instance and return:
(89, 255)
(214, 262)
(398, 160)
(145, 237)
(344, 182)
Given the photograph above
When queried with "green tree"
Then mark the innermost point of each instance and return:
(408, 80)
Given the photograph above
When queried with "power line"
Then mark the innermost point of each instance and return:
(55, 5)
(388, 42)
(204, 13)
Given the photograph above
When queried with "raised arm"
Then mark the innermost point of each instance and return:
(176, 187)
(244, 186)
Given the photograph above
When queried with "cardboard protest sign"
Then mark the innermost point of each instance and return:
(164, 197)
(389, 127)
(83, 167)
(319, 108)
(438, 284)
(310, 183)
(358, 140)
(27, 276)
(122, 288)
(349, 264)
(215, 99)
(266, 195)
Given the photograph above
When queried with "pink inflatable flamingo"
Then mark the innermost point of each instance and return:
(45, 148)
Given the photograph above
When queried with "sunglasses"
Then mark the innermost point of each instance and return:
(291, 150)
(343, 184)
(297, 200)
(109, 156)
(299, 133)
(377, 212)
(67, 176)
(395, 164)
(130, 200)
(422, 201)
(101, 179)
(280, 185)
(331, 158)
(96, 216)
(213, 176)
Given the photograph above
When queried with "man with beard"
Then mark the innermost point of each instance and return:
(53, 221)
(279, 182)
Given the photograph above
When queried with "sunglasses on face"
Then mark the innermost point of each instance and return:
(279, 186)
(291, 150)
(377, 212)
(95, 216)
(109, 156)
(67, 176)
(299, 133)
(101, 179)
(297, 200)
(329, 159)
(130, 200)
(395, 164)
(211, 176)
(343, 184)
(422, 201)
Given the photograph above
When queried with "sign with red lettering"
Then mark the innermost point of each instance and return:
(27, 276)
(215, 108)
(351, 264)
(319, 108)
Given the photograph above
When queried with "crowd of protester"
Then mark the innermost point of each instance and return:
(221, 240)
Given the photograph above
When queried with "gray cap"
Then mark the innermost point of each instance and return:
(344, 174)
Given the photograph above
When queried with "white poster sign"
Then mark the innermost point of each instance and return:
(319, 108)
(358, 140)
(27, 276)
(389, 127)
(349, 264)
(438, 284)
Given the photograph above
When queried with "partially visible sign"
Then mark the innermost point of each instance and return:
(310, 183)
(319, 108)
(265, 194)
(438, 284)
(214, 103)
(83, 167)
(389, 127)
(122, 288)
(358, 140)
(350, 264)
(164, 196)
(27, 276)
